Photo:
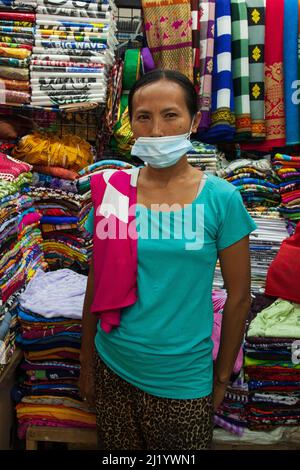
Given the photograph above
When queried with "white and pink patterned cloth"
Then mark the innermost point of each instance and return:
(10, 168)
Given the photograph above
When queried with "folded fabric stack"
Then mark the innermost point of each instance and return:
(265, 243)
(288, 170)
(277, 435)
(64, 243)
(56, 163)
(272, 372)
(204, 157)
(20, 244)
(256, 180)
(16, 43)
(74, 49)
(231, 414)
(259, 187)
(50, 313)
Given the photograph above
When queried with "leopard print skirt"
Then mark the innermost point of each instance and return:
(130, 419)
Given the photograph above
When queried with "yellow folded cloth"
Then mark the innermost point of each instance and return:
(55, 412)
(70, 151)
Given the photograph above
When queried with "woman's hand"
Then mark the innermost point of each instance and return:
(219, 393)
(87, 384)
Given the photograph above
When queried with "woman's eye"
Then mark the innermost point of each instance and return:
(171, 115)
(143, 117)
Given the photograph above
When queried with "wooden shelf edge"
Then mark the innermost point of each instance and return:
(11, 366)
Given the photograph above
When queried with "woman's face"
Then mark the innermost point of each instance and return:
(159, 109)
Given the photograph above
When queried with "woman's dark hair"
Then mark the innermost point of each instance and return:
(172, 76)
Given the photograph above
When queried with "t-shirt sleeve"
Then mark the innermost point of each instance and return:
(236, 222)
(89, 223)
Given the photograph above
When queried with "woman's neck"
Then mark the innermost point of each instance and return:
(181, 169)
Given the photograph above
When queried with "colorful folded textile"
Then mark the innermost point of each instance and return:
(12, 73)
(14, 62)
(16, 38)
(85, 31)
(204, 156)
(48, 181)
(288, 170)
(20, 247)
(260, 189)
(11, 168)
(63, 11)
(56, 171)
(50, 337)
(15, 16)
(273, 376)
(231, 415)
(14, 52)
(66, 243)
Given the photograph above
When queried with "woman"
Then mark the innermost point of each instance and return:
(154, 385)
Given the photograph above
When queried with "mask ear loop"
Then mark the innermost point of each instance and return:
(190, 131)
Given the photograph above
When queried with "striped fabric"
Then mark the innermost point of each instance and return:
(207, 35)
(233, 428)
(196, 42)
(222, 117)
(240, 69)
(168, 27)
(256, 23)
(273, 75)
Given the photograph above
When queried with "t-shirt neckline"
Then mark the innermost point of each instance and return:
(202, 187)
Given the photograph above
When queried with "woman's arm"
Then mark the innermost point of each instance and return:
(89, 326)
(235, 266)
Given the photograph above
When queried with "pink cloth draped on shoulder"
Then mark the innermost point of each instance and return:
(114, 257)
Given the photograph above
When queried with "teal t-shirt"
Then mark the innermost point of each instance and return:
(163, 344)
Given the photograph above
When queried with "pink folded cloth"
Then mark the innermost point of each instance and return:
(23, 425)
(10, 168)
(114, 257)
(29, 219)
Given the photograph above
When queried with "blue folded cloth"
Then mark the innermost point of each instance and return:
(49, 219)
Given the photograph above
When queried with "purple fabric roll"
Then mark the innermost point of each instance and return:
(147, 60)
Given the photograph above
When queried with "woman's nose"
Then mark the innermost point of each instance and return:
(156, 129)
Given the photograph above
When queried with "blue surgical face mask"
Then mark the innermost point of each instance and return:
(162, 152)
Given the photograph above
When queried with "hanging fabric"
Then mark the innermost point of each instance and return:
(222, 116)
(207, 38)
(196, 42)
(256, 24)
(122, 140)
(240, 69)
(147, 61)
(274, 90)
(168, 27)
